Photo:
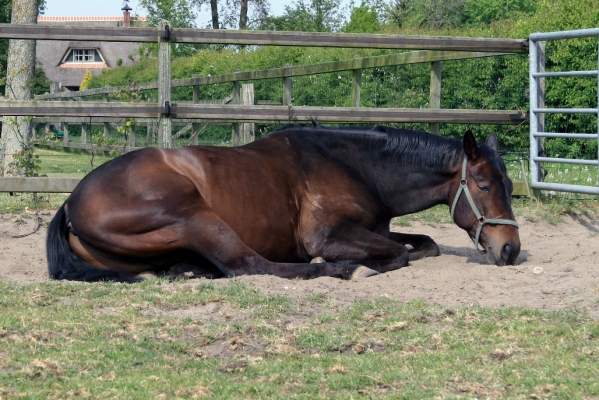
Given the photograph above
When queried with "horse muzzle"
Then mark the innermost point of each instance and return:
(503, 251)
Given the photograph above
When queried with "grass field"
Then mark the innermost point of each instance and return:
(69, 340)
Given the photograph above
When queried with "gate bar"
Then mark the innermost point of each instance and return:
(565, 73)
(566, 161)
(565, 110)
(567, 135)
(575, 34)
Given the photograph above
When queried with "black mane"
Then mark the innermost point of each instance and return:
(405, 146)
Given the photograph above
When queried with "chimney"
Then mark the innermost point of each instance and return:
(126, 14)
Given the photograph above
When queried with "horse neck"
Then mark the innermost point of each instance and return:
(405, 187)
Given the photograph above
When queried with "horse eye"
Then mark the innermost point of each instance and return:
(484, 188)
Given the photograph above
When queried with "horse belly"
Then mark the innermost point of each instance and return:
(267, 228)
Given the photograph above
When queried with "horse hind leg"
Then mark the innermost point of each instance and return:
(101, 261)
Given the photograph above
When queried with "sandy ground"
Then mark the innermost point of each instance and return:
(558, 268)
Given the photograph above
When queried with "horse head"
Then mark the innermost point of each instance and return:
(482, 201)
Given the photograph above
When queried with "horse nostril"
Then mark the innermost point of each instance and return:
(506, 250)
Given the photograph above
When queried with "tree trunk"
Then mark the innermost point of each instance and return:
(20, 72)
(214, 8)
(243, 14)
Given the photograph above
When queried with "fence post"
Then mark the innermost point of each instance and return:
(65, 137)
(235, 135)
(247, 98)
(131, 137)
(287, 89)
(106, 124)
(356, 86)
(54, 88)
(84, 129)
(164, 85)
(196, 99)
(435, 93)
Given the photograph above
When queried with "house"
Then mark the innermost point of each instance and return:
(66, 62)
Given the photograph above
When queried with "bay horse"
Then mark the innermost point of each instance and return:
(300, 194)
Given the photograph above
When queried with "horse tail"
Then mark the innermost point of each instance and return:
(64, 264)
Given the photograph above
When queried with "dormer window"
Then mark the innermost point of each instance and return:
(83, 58)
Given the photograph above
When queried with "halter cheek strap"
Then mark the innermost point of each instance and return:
(481, 219)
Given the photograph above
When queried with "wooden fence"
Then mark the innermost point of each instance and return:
(434, 50)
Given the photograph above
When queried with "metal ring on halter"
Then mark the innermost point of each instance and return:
(482, 220)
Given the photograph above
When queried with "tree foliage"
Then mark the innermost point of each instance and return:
(308, 16)
(234, 14)
(431, 13)
(487, 11)
(363, 19)
(5, 15)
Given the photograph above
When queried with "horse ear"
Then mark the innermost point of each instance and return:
(470, 146)
(493, 143)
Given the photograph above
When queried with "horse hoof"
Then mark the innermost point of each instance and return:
(362, 272)
(147, 275)
(317, 260)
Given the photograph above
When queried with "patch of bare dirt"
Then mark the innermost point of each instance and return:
(557, 268)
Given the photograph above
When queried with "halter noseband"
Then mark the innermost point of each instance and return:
(481, 219)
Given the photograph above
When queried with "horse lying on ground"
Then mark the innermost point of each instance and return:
(270, 207)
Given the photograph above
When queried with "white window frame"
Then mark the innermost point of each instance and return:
(83, 55)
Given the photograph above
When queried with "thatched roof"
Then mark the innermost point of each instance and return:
(51, 53)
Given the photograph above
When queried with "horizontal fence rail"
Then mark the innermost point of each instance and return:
(38, 185)
(260, 113)
(272, 38)
(412, 57)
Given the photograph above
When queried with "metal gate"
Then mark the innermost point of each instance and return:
(538, 110)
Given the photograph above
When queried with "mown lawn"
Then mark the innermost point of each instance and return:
(227, 340)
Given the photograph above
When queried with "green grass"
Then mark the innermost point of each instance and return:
(74, 164)
(109, 340)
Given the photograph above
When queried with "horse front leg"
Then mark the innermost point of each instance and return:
(355, 245)
(212, 238)
(421, 245)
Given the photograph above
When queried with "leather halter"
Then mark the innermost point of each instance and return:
(482, 220)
